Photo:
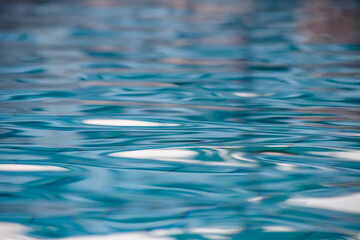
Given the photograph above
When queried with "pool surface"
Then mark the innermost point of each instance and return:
(179, 119)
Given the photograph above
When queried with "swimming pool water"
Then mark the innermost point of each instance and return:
(184, 119)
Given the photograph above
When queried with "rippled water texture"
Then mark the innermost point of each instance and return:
(179, 119)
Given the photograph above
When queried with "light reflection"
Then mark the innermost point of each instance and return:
(285, 166)
(127, 123)
(217, 231)
(17, 231)
(240, 156)
(246, 94)
(29, 168)
(207, 232)
(275, 153)
(278, 229)
(348, 155)
(158, 154)
(12, 231)
(177, 155)
(348, 203)
(257, 199)
(122, 236)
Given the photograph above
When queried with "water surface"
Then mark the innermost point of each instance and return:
(182, 119)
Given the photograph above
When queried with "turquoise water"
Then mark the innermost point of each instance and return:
(179, 119)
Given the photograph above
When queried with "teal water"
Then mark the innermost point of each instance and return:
(184, 119)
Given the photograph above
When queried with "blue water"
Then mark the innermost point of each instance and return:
(184, 119)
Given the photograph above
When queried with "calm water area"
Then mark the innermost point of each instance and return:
(179, 119)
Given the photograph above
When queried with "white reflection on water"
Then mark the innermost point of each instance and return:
(246, 94)
(158, 154)
(29, 168)
(278, 229)
(127, 123)
(216, 231)
(178, 155)
(163, 234)
(348, 203)
(122, 236)
(285, 166)
(348, 155)
(257, 199)
(15, 231)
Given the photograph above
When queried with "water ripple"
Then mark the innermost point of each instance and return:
(179, 119)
